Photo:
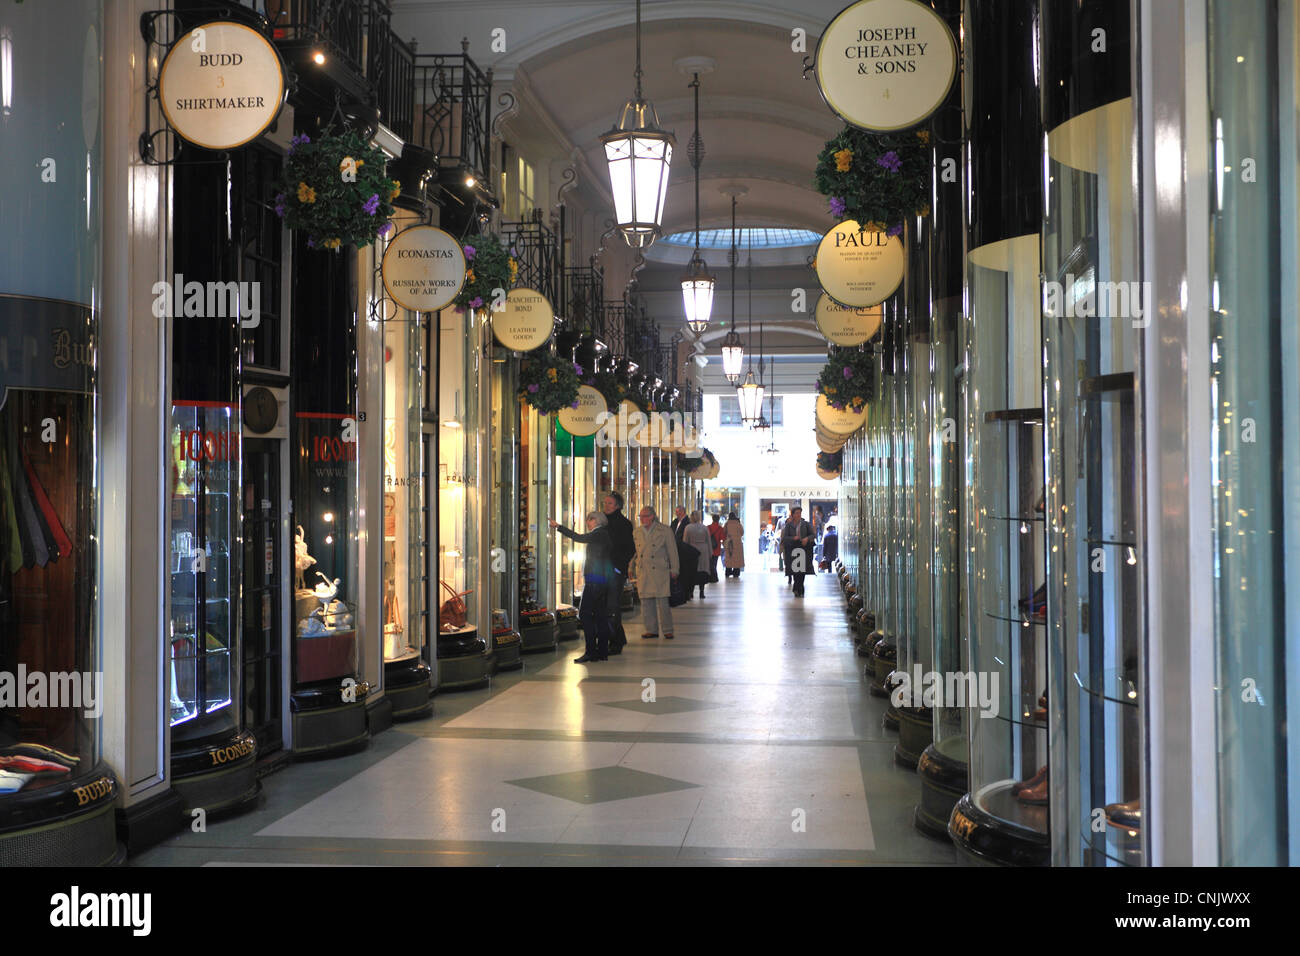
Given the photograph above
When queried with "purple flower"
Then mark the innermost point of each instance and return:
(297, 141)
(311, 244)
(890, 161)
(386, 229)
(512, 251)
(372, 204)
(577, 369)
(532, 389)
(470, 252)
(476, 302)
(575, 404)
(894, 230)
(838, 207)
(848, 372)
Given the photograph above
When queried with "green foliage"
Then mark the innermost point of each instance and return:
(830, 461)
(490, 267)
(547, 382)
(609, 385)
(877, 179)
(847, 379)
(335, 189)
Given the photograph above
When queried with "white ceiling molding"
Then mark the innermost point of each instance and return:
(785, 115)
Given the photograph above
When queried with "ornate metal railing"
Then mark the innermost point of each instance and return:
(584, 293)
(453, 110)
(390, 67)
(537, 250)
(337, 25)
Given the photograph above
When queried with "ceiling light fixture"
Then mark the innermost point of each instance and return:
(733, 351)
(697, 284)
(639, 153)
(751, 393)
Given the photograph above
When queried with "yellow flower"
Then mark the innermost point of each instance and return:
(306, 193)
(397, 188)
(469, 275)
(346, 161)
(332, 243)
(925, 210)
(550, 373)
(843, 160)
(514, 270)
(923, 135)
(830, 389)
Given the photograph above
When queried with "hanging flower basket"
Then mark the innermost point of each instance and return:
(688, 464)
(547, 382)
(489, 266)
(830, 461)
(848, 379)
(609, 385)
(877, 179)
(334, 189)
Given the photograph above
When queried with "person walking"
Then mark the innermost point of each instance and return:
(622, 550)
(680, 522)
(719, 536)
(735, 559)
(654, 568)
(796, 546)
(597, 581)
(697, 536)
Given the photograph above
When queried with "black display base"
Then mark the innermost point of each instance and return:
(464, 673)
(325, 727)
(915, 733)
(379, 714)
(538, 634)
(150, 821)
(889, 721)
(854, 606)
(219, 778)
(409, 687)
(986, 840)
(508, 654)
(68, 823)
(884, 657)
(566, 623)
(944, 780)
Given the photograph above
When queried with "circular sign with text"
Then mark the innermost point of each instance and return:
(221, 85)
(857, 267)
(825, 475)
(423, 268)
(847, 326)
(839, 421)
(886, 64)
(590, 414)
(526, 321)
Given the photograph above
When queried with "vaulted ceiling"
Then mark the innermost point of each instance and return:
(761, 122)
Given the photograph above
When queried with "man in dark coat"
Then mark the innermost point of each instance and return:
(680, 522)
(796, 546)
(622, 551)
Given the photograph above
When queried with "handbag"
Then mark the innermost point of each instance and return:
(676, 592)
(453, 614)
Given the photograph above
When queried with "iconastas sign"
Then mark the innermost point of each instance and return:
(885, 64)
(524, 324)
(423, 269)
(846, 326)
(858, 268)
(590, 414)
(221, 85)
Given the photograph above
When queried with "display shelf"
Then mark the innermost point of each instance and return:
(1024, 622)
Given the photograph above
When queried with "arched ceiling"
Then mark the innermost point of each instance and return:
(761, 122)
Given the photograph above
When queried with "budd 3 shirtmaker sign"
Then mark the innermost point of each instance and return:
(221, 85)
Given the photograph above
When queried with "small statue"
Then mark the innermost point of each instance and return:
(301, 559)
(327, 589)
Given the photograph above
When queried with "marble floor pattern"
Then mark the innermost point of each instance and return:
(748, 739)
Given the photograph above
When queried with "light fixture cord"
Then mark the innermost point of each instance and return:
(638, 49)
(696, 157)
(735, 255)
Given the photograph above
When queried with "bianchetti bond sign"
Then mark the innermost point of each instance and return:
(221, 85)
(886, 64)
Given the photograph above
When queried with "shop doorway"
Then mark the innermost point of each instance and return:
(263, 593)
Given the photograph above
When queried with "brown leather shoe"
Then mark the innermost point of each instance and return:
(1127, 816)
(1035, 796)
(1033, 781)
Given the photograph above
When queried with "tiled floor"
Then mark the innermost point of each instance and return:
(750, 738)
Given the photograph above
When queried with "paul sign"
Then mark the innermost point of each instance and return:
(885, 64)
(221, 85)
(857, 267)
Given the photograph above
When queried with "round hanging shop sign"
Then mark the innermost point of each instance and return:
(825, 475)
(845, 326)
(839, 421)
(525, 323)
(857, 267)
(587, 418)
(885, 64)
(221, 85)
(423, 269)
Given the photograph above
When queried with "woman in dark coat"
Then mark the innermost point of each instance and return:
(598, 601)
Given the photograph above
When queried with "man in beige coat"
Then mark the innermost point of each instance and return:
(654, 568)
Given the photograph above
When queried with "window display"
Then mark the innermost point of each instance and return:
(503, 570)
(537, 559)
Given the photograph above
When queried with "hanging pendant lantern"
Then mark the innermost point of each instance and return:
(751, 399)
(733, 357)
(639, 153)
(697, 284)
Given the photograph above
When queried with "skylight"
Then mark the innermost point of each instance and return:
(765, 238)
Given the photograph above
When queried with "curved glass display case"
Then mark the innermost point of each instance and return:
(503, 555)
(1004, 818)
(537, 544)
